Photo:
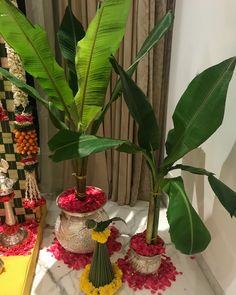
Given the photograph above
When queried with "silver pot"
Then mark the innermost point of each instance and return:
(144, 264)
(72, 233)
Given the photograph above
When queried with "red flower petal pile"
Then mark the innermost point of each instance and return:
(139, 245)
(24, 118)
(95, 198)
(79, 261)
(159, 281)
(24, 248)
(155, 282)
(32, 204)
(3, 114)
(7, 198)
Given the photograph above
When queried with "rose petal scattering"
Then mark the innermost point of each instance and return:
(27, 245)
(139, 245)
(95, 198)
(79, 261)
(156, 282)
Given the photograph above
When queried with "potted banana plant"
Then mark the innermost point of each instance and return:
(204, 98)
(76, 104)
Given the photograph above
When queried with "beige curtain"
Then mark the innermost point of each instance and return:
(124, 177)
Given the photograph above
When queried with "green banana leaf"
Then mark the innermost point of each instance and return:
(102, 225)
(226, 195)
(56, 117)
(102, 39)
(200, 110)
(31, 44)
(191, 169)
(32, 92)
(69, 33)
(187, 231)
(23, 86)
(67, 145)
(154, 36)
(140, 109)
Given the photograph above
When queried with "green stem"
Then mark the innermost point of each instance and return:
(80, 174)
(150, 221)
(101, 272)
(154, 202)
(156, 218)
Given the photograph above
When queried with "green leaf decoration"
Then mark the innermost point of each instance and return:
(70, 32)
(154, 36)
(31, 44)
(55, 116)
(67, 145)
(102, 225)
(140, 109)
(200, 110)
(226, 195)
(187, 231)
(102, 39)
(194, 170)
(23, 86)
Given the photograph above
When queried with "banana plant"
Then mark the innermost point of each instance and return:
(204, 98)
(75, 98)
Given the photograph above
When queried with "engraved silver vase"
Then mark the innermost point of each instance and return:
(144, 264)
(71, 232)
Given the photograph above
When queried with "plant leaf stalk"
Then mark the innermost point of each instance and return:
(154, 202)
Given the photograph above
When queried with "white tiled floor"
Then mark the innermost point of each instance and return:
(54, 278)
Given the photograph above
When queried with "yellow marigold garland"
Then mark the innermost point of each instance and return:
(109, 289)
(101, 237)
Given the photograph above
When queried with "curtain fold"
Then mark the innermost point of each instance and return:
(124, 177)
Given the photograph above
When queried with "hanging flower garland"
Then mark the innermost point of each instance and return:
(25, 134)
(3, 113)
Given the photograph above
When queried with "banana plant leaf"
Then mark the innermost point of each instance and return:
(187, 231)
(69, 33)
(102, 225)
(200, 110)
(140, 109)
(67, 145)
(31, 44)
(23, 86)
(102, 39)
(56, 117)
(191, 169)
(154, 36)
(54, 113)
(226, 195)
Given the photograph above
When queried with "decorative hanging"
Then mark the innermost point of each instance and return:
(25, 135)
(3, 113)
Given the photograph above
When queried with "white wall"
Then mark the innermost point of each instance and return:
(205, 34)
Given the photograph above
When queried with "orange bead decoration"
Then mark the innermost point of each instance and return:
(26, 142)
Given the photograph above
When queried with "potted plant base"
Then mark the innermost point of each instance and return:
(147, 266)
(144, 258)
(70, 228)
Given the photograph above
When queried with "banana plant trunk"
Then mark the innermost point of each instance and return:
(153, 217)
(81, 176)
